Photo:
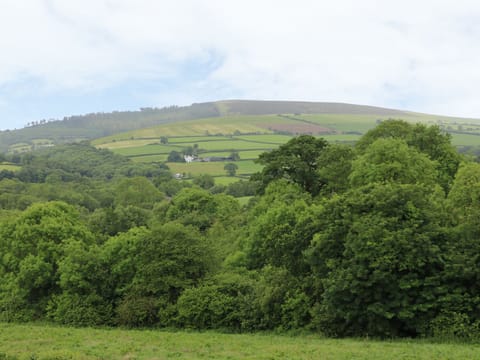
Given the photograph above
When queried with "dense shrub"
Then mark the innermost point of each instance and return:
(137, 311)
(223, 303)
(77, 310)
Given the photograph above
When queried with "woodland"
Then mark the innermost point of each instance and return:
(378, 239)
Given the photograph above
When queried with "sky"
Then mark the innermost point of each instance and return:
(68, 57)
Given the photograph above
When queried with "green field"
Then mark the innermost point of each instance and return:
(244, 154)
(196, 128)
(146, 150)
(53, 342)
(251, 135)
(267, 139)
(150, 158)
(195, 139)
(245, 168)
(225, 180)
(465, 140)
(345, 122)
(9, 167)
(127, 143)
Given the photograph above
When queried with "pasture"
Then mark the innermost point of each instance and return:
(251, 135)
(245, 168)
(466, 139)
(54, 342)
(9, 167)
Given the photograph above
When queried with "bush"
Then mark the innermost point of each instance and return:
(77, 310)
(205, 181)
(137, 311)
(454, 326)
(242, 188)
(224, 303)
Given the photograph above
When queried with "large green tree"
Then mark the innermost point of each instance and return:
(379, 258)
(430, 140)
(392, 160)
(334, 168)
(280, 235)
(166, 261)
(32, 247)
(295, 161)
(463, 267)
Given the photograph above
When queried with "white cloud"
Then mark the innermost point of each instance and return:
(387, 53)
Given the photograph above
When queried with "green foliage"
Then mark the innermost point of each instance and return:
(334, 167)
(32, 247)
(234, 156)
(380, 259)
(378, 240)
(137, 191)
(245, 301)
(429, 140)
(279, 236)
(137, 311)
(278, 301)
(295, 161)
(205, 181)
(391, 129)
(172, 186)
(79, 310)
(231, 169)
(452, 326)
(118, 256)
(170, 259)
(224, 302)
(464, 196)
(175, 156)
(462, 267)
(392, 161)
(197, 207)
(242, 188)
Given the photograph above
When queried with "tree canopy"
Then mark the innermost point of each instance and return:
(296, 161)
(377, 239)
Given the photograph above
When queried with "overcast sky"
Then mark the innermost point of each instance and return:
(66, 57)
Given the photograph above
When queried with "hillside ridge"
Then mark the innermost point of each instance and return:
(266, 107)
(97, 125)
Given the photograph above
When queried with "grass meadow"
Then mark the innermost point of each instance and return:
(9, 167)
(245, 168)
(252, 135)
(465, 140)
(226, 180)
(54, 342)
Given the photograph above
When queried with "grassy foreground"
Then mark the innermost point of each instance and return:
(52, 342)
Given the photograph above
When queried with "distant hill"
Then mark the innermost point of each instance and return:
(91, 126)
(262, 107)
(96, 125)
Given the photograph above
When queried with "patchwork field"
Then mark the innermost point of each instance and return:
(251, 135)
(52, 342)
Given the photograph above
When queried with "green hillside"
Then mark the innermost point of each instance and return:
(91, 126)
(228, 117)
(250, 135)
(327, 239)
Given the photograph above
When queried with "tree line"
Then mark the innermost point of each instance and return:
(379, 239)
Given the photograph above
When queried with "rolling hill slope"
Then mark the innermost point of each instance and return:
(226, 117)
